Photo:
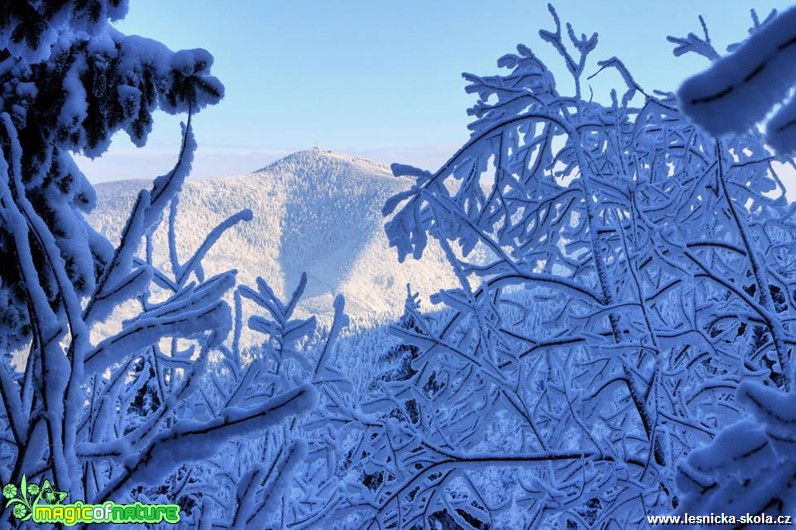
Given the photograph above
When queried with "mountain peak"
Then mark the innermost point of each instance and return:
(316, 159)
(315, 211)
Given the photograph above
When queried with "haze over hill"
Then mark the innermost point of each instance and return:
(314, 211)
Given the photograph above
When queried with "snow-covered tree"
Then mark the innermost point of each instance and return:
(621, 272)
(69, 82)
(748, 468)
(253, 475)
(112, 417)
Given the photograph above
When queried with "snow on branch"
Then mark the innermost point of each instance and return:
(189, 440)
(739, 90)
(621, 274)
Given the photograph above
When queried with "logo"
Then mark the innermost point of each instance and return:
(43, 504)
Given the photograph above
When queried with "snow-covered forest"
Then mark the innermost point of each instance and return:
(597, 326)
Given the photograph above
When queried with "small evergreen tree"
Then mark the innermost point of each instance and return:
(402, 354)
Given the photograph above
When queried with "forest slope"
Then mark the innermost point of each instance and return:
(314, 211)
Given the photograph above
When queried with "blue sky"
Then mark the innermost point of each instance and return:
(381, 79)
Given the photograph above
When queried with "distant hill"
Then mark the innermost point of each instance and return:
(315, 211)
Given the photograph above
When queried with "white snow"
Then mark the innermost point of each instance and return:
(739, 90)
(314, 211)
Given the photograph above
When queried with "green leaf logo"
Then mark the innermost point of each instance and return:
(29, 494)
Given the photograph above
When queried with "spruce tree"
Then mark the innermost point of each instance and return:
(68, 81)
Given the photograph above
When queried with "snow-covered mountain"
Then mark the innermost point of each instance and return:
(314, 211)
